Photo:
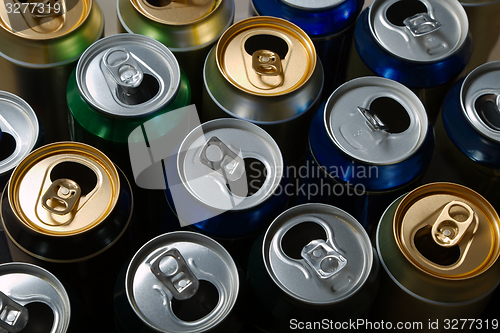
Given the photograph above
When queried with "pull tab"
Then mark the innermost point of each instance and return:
(46, 8)
(43, 16)
(323, 259)
(218, 157)
(267, 65)
(125, 71)
(372, 120)
(13, 316)
(421, 24)
(172, 270)
(450, 228)
(61, 197)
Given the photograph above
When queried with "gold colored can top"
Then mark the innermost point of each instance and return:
(447, 231)
(64, 189)
(266, 56)
(175, 12)
(43, 19)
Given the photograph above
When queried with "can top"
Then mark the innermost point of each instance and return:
(419, 30)
(23, 284)
(313, 4)
(176, 12)
(265, 56)
(177, 269)
(375, 120)
(317, 254)
(43, 20)
(447, 231)
(19, 121)
(480, 99)
(213, 164)
(128, 75)
(64, 188)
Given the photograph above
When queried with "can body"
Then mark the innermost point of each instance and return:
(37, 69)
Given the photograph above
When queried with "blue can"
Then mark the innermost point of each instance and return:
(371, 143)
(424, 45)
(329, 24)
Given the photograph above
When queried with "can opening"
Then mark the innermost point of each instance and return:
(159, 3)
(8, 145)
(392, 114)
(79, 173)
(41, 318)
(299, 236)
(266, 42)
(403, 9)
(444, 256)
(256, 174)
(199, 305)
(488, 111)
(148, 89)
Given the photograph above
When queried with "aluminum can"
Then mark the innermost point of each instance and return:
(179, 282)
(189, 29)
(265, 70)
(32, 299)
(438, 247)
(67, 208)
(314, 264)
(423, 44)
(371, 144)
(329, 24)
(40, 43)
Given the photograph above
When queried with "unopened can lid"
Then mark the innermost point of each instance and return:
(25, 284)
(176, 12)
(376, 120)
(480, 98)
(313, 4)
(181, 267)
(419, 30)
(20, 127)
(317, 254)
(448, 231)
(128, 75)
(214, 164)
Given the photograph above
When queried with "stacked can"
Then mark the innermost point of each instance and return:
(188, 28)
(67, 208)
(438, 246)
(314, 265)
(329, 23)
(423, 44)
(179, 282)
(40, 43)
(265, 70)
(370, 145)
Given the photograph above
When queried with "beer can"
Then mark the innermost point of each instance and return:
(179, 282)
(40, 43)
(315, 264)
(32, 300)
(189, 29)
(438, 246)
(265, 70)
(67, 208)
(371, 144)
(422, 44)
(329, 24)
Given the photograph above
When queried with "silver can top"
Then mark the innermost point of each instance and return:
(317, 254)
(376, 120)
(22, 285)
(179, 266)
(128, 75)
(216, 158)
(419, 30)
(18, 123)
(313, 4)
(480, 98)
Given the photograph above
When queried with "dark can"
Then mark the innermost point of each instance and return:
(40, 43)
(189, 29)
(67, 208)
(371, 144)
(179, 282)
(265, 70)
(329, 23)
(438, 246)
(423, 44)
(314, 265)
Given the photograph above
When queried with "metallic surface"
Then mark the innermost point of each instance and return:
(176, 12)
(313, 4)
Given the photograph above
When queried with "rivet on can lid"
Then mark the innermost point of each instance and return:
(13, 316)
(175, 12)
